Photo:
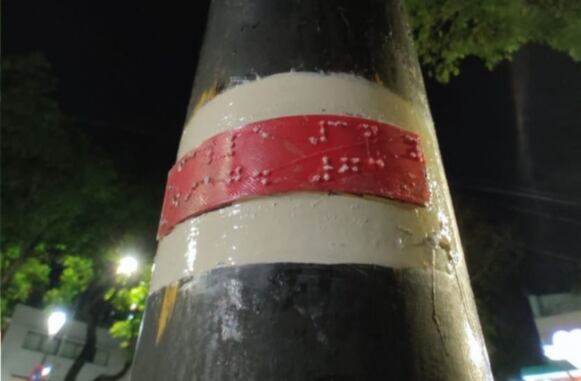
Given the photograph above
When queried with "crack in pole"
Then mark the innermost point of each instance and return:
(434, 308)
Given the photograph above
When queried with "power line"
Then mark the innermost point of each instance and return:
(537, 196)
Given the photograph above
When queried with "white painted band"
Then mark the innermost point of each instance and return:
(310, 227)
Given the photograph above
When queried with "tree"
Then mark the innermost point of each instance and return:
(49, 177)
(448, 31)
(67, 210)
(107, 299)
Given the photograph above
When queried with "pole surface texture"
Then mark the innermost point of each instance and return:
(307, 231)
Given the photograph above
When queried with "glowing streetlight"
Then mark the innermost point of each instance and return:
(56, 320)
(127, 266)
(565, 346)
(46, 370)
(54, 323)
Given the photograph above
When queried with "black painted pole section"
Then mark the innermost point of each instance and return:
(312, 283)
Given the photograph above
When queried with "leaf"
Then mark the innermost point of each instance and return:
(448, 31)
(74, 279)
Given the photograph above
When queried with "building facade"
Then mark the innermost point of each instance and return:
(26, 342)
(554, 314)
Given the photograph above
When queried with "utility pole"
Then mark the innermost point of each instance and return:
(307, 231)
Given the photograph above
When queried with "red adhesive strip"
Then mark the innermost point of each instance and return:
(321, 153)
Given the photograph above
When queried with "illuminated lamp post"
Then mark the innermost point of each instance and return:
(54, 323)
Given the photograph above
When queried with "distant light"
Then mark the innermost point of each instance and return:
(56, 320)
(558, 375)
(127, 266)
(46, 370)
(565, 346)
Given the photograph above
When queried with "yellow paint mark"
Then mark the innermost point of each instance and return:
(167, 305)
(207, 96)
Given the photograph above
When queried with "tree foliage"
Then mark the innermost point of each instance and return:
(130, 302)
(68, 211)
(31, 123)
(448, 31)
(30, 275)
(78, 272)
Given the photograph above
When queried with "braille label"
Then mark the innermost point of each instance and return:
(319, 153)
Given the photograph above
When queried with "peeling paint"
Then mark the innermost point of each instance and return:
(207, 95)
(166, 310)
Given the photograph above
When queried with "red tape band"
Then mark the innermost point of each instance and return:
(321, 153)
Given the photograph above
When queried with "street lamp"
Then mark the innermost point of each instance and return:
(54, 323)
(56, 320)
(46, 370)
(565, 346)
(127, 265)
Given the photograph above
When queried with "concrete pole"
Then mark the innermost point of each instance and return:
(307, 231)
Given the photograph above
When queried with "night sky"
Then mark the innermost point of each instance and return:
(511, 138)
